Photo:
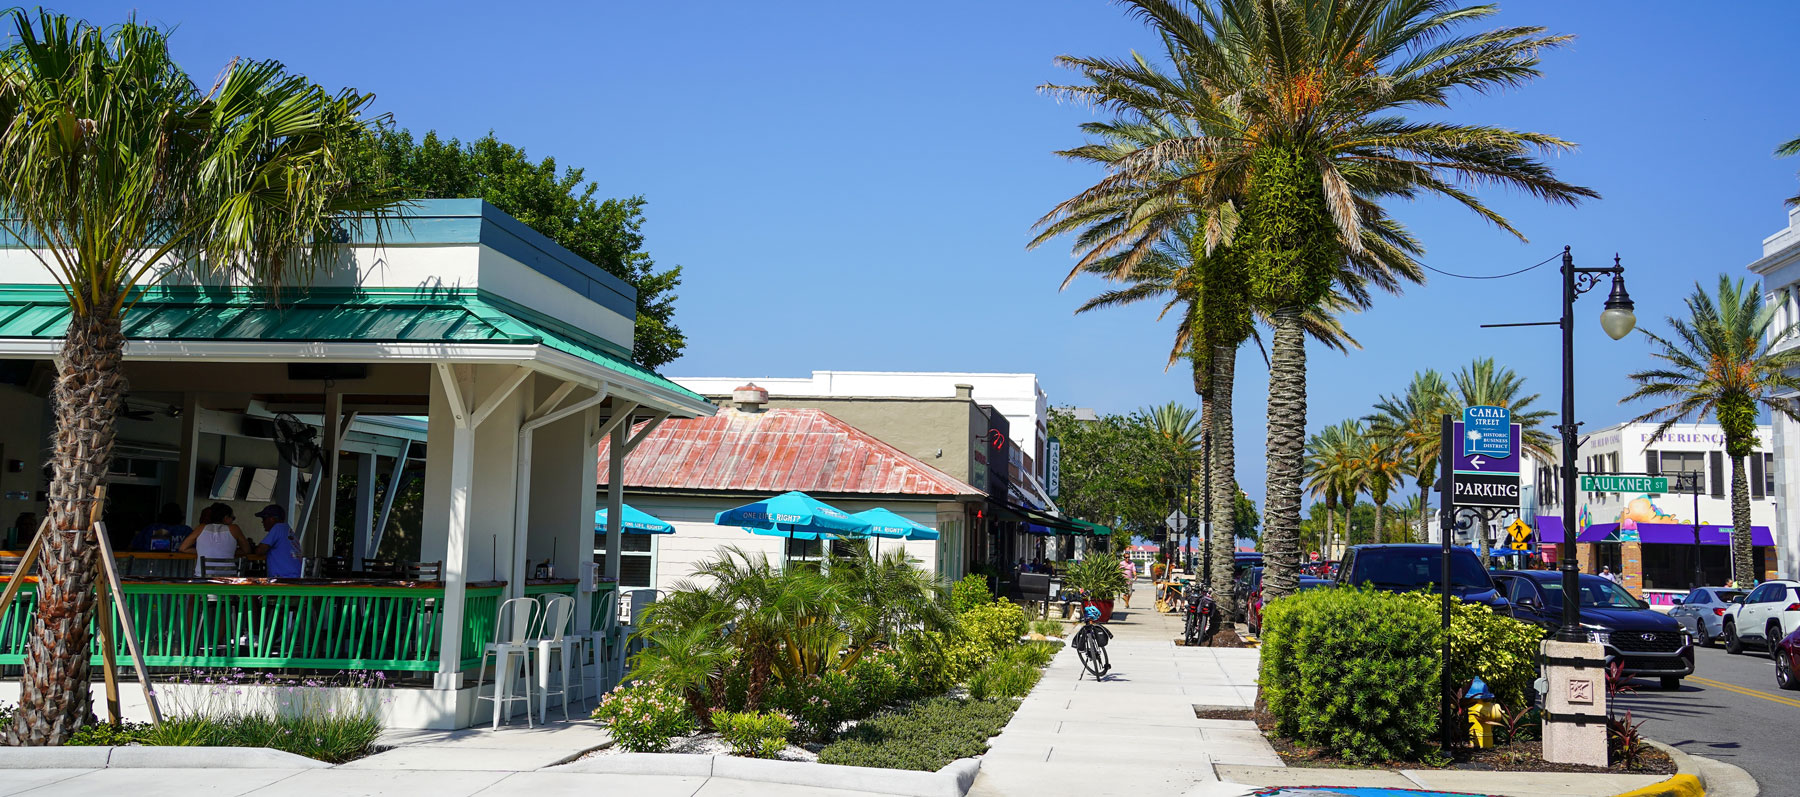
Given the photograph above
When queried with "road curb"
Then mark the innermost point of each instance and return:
(953, 780)
(1714, 778)
(1678, 786)
(145, 756)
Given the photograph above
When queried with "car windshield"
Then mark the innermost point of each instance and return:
(1411, 568)
(1596, 593)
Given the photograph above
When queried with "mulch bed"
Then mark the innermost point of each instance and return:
(1525, 756)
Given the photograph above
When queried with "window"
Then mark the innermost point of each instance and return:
(1675, 463)
(637, 558)
(1768, 477)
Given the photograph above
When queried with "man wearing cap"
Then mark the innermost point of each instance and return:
(278, 543)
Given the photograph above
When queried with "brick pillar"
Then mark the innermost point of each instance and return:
(1631, 567)
(1584, 556)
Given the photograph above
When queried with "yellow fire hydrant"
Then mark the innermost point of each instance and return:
(1484, 714)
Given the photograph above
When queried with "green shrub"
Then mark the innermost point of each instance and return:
(1004, 678)
(643, 718)
(1048, 628)
(1035, 654)
(971, 591)
(1353, 671)
(105, 735)
(981, 633)
(819, 704)
(754, 734)
(1493, 647)
(924, 736)
(876, 680)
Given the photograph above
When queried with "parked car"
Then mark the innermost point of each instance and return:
(1247, 584)
(1649, 643)
(1253, 615)
(1412, 566)
(1764, 616)
(1702, 612)
(1787, 662)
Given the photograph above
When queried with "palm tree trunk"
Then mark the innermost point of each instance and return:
(54, 682)
(1487, 556)
(1224, 478)
(1424, 512)
(1743, 551)
(1380, 528)
(1287, 455)
(1330, 530)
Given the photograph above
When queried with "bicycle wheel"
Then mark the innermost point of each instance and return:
(1090, 661)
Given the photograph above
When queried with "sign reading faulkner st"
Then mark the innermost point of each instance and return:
(1624, 484)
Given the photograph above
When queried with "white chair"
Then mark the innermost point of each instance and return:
(554, 639)
(514, 628)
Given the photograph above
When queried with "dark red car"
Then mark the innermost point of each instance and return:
(1787, 661)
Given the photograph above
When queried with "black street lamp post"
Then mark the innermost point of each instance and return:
(1618, 320)
(1206, 513)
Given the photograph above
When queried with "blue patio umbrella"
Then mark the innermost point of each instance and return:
(886, 523)
(634, 522)
(794, 515)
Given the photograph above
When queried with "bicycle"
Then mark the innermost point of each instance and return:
(1202, 616)
(1090, 645)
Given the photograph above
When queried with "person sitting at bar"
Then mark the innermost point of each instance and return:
(278, 543)
(166, 534)
(218, 538)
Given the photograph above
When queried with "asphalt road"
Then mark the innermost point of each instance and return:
(1730, 709)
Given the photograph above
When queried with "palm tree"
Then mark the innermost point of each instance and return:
(1375, 470)
(125, 169)
(1294, 110)
(1789, 150)
(1330, 461)
(1727, 359)
(1488, 384)
(1411, 423)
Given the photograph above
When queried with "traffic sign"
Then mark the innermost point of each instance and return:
(1485, 432)
(1520, 545)
(1519, 531)
(1624, 484)
(1176, 521)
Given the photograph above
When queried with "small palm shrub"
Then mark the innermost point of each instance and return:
(1051, 628)
(1036, 654)
(754, 734)
(643, 718)
(1353, 671)
(1004, 679)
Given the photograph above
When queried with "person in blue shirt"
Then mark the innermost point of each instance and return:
(278, 543)
(165, 534)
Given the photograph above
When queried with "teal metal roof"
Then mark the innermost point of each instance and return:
(367, 316)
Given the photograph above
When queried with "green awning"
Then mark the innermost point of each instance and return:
(449, 316)
(1093, 529)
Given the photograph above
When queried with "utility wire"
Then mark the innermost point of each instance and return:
(1494, 276)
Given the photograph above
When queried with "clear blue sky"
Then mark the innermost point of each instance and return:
(851, 185)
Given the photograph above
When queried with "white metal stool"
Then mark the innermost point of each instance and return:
(511, 639)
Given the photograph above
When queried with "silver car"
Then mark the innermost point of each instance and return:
(1702, 612)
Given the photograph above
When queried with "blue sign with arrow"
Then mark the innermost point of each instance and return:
(1487, 431)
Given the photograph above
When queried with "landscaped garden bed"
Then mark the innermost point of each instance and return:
(867, 663)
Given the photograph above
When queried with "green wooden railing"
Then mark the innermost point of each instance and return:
(278, 625)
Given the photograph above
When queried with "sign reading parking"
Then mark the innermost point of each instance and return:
(1485, 432)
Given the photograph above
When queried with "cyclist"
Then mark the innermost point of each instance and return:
(1090, 644)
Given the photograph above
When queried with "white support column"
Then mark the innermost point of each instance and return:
(190, 456)
(457, 387)
(546, 414)
(615, 491)
(365, 509)
(324, 544)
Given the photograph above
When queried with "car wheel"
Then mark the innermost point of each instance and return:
(1671, 683)
(1773, 640)
(1702, 638)
(1784, 672)
(1733, 645)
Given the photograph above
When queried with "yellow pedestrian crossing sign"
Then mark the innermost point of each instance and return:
(1521, 535)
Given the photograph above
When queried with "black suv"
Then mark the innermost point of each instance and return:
(1649, 643)
(1413, 567)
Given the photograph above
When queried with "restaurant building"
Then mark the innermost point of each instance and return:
(1779, 268)
(463, 347)
(1649, 538)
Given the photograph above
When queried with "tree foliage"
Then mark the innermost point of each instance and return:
(559, 203)
(1116, 471)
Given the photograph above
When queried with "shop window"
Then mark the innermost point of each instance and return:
(637, 559)
(1676, 463)
(1768, 478)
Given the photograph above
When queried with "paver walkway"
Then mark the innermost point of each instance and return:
(1134, 733)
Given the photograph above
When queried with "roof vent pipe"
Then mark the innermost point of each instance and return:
(750, 398)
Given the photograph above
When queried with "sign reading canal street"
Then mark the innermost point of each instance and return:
(1486, 474)
(1486, 431)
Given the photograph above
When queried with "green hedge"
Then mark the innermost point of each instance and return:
(924, 736)
(1493, 647)
(1353, 672)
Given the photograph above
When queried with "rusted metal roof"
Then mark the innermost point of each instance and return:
(774, 451)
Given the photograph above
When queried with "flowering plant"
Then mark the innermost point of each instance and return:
(643, 718)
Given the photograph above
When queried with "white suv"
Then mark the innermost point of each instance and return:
(1767, 614)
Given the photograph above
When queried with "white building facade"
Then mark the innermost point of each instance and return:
(1779, 268)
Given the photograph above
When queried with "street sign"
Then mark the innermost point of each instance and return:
(1624, 484)
(1176, 521)
(1486, 489)
(1053, 468)
(1482, 462)
(1485, 432)
(1520, 532)
(1519, 545)
(1482, 477)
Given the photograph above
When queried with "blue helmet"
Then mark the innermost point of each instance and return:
(1092, 613)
